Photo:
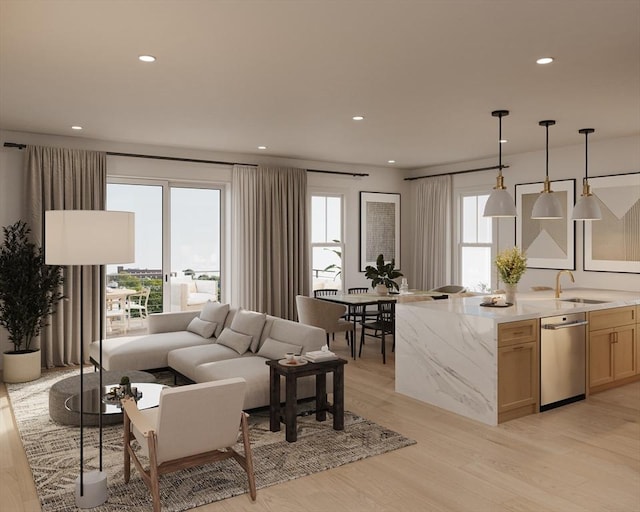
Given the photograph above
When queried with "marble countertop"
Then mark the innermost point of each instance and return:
(532, 304)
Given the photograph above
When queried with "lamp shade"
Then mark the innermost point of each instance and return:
(499, 204)
(587, 208)
(547, 206)
(89, 237)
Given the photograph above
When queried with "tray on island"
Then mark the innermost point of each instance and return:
(492, 305)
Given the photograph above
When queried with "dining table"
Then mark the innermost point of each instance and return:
(353, 301)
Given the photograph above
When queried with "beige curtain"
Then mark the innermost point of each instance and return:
(432, 210)
(67, 179)
(270, 239)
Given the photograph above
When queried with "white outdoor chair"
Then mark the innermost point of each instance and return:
(193, 425)
(138, 302)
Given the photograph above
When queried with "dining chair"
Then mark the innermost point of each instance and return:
(385, 322)
(194, 425)
(139, 302)
(322, 292)
(323, 314)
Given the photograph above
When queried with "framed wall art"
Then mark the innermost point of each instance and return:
(379, 228)
(548, 243)
(612, 244)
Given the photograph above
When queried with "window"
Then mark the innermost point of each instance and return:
(326, 242)
(178, 240)
(475, 244)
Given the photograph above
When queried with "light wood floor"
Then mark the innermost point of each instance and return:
(582, 457)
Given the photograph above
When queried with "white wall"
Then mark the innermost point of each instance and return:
(614, 156)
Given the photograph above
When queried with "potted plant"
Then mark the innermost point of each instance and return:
(511, 264)
(29, 293)
(382, 275)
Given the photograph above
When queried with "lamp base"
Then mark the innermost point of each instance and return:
(95, 489)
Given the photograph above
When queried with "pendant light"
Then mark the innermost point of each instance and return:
(586, 207)
(500, 202)
(547, 206)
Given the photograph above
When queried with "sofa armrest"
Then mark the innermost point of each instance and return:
(170, 322)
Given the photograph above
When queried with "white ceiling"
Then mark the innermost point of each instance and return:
(232, 75)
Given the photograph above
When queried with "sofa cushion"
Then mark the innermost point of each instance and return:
(206, 286)
(255, 371)
(250, 323)
(202, 327)
(146, 352)
(311, 338)
(185, 360)
(274, 349)
(235, 340)
(215, 312)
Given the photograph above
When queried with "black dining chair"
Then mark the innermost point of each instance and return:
(322, 292)
(385, 322)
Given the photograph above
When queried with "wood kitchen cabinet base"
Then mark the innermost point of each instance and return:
(614, 384)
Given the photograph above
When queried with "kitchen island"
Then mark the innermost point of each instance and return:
(447, 351)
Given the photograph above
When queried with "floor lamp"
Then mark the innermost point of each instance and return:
(89, 237)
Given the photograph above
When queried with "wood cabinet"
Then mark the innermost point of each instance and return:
(613, 347)
(518, 369)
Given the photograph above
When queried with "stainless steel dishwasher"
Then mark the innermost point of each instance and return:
(562, 360)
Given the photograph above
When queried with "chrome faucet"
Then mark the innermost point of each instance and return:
(558, 288)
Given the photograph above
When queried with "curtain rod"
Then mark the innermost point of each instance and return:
(460, 172)
(195, 160)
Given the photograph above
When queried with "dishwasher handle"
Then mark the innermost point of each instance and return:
(555, 327)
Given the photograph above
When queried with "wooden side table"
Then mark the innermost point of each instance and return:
(291, 375)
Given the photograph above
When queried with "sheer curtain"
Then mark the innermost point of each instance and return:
(67, 179)
(432, 210)
(270, 239)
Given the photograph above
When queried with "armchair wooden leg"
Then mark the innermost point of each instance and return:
(248, 457)
(126, 438)
(154, 477)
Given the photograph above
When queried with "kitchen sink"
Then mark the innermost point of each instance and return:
(580, 300)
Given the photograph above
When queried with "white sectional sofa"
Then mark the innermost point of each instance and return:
(218, 343)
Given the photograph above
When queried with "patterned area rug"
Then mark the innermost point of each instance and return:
(53, 453)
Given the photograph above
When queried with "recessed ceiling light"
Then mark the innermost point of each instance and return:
(357, 118)
(262, 147)
(391, 161)
(76, 127)
(544, 60)
(147, 58)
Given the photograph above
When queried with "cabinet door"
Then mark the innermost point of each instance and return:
(518, 376)
(600, 357)
(624, 352)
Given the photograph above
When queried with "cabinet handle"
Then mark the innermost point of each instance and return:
(518, 333)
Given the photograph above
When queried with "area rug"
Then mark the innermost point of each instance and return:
(53, 454)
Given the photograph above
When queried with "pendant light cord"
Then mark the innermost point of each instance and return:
(547, 157)
(586, 156)
(500, 145)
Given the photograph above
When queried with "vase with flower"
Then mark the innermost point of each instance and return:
(511, 264)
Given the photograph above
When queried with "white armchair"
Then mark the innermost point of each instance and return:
(191, 294)
(192, 426)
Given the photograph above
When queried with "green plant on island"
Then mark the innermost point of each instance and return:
(511, 264)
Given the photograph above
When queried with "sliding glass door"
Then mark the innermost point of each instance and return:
(178, 249)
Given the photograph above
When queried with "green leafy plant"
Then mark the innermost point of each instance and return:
(29, 288)
(333, 266)
(383, 273)
(511, 264)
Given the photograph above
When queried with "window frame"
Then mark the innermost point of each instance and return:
(460, 244)
(341, 245)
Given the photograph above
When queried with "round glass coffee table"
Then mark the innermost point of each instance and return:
(93, 401)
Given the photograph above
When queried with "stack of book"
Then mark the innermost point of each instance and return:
(318, 356)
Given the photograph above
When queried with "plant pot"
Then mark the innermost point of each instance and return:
(510, 292)
(21, 366)
(382, 289)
